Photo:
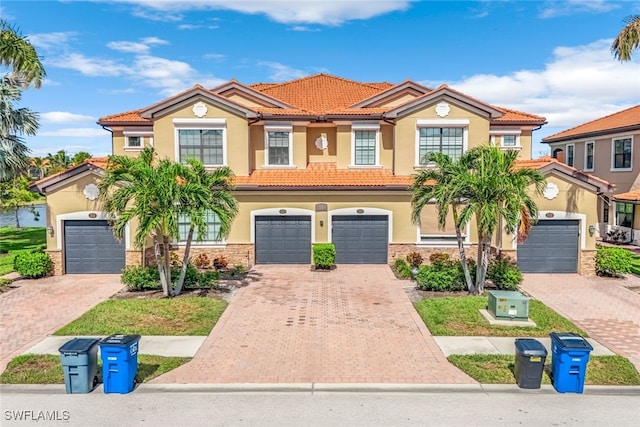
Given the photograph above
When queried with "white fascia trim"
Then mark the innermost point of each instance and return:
(593, 150)
(276, 212)
(365, 126)
(505, 132)
(84, 215)
(557, 215)
(613, 154)
(216, 123)
(200, 124)
(356, 127)
(137, 133)
(278, 128)
(442, 122)
(466, 232)
(366, 211)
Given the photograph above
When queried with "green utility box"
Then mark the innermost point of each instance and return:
(508, 305)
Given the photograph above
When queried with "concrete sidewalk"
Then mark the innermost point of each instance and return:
(187, 346)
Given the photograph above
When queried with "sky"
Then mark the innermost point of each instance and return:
(550, 58)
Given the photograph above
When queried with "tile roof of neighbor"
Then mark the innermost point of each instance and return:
(321, 94)
(98, 162)
(541, 162)
(621, 119)
(630, 196)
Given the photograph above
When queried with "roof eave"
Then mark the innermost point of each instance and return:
(551, 139)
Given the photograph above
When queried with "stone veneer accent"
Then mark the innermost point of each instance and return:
(56, 260)
(236, 254)
(400, 250)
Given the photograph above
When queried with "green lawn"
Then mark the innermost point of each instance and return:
(13, 241)
(47, 369)
(635, 265)
(498, 369)
(460, 316)
(147, 316)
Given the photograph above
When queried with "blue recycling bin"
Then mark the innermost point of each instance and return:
(79, 359)
(569, 357)
(119, 354)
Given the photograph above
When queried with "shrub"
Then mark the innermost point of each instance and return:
(439, 258)
(402, 268)
(613, 261)
(4, 282)
(473, 270)
(202, 261)
(191, 277)
(440, 276)
(32, 264)
(414, 259)
(324, 256)
(504, 273)
(220, 262)
(237, 270)
(139, 278)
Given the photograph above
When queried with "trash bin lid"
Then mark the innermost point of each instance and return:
(570, 340)
(530, 347)
(119, 340)
(78, 345)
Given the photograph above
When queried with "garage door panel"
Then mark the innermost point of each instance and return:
(283, 239)
(552, 247)
(90, 247)
(360, 239)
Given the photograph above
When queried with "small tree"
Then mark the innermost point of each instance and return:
(15, 195)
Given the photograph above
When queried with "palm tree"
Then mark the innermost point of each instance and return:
(17, 53)
(628, 39)
(41, 165)
(498, 192)
(80, 157)
(13, 124)
(157, 193)
(59, 161)
(443, 185)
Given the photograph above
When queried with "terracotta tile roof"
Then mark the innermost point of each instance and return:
(631, 196)
(129, 116)
(548, 160)
(517, 116)
(322, 175)
(99, 162)
(621, 119)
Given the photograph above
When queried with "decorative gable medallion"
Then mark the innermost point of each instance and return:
(443, 109)
(551, 191)
(200, 109)
(321, 142)
(91, 191)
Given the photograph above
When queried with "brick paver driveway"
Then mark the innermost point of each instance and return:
(603, 307)
(37, 308)
(351, 325)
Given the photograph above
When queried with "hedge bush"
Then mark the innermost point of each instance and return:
(504, 274)
(139, 278)
(324, 256)
(32, 264)
(613, 262)
(442, 275)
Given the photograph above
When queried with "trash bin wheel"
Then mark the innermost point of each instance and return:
(95, 381)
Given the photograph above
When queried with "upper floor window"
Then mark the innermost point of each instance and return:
(509, 140)
(624, 214)
(201, 139)
(205, 145)
(588, 156)
(365, 144)
(506, 138)
(570, 154)
(449, 141)
(621, 153)
(213, 229)
(605, 210)
(134, 140)
(278, 145)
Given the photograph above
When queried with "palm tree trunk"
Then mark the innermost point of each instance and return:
(167, 266)
(463, 256)
(163, 278)
(185, 263)
(483, 263)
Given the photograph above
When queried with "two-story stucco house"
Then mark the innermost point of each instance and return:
(322, 159)
(608, 148)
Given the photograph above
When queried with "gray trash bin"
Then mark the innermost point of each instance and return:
(79, 358)
(530, 357)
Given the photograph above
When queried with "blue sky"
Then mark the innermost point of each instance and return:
(549, 58)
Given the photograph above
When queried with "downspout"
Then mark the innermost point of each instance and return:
(251, 122)
(393, 144)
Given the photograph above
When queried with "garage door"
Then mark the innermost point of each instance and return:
(283, 239)
(90, 247)
(552, 247)
(360, 239)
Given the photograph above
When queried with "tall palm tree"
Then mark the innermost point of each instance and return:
(498, 192)
(443, 185)
(41, 164)
(59, 161)
(80, 157)
(14, 123)
(17, 53)
(157, 193)
(628, 39)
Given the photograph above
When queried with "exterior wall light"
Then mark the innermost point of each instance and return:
(592, 229)
(50, 230)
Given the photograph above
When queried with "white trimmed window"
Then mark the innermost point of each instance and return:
(508, 139)
(622, 153)
(441, 136)
(588, 156)
(201, 139)
(212, 236)
(624, 214)
(278, 145)
(570, 154)
(365, 144)
(134, 140)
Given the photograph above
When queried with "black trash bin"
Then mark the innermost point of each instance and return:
(79, 358)
(530, 357)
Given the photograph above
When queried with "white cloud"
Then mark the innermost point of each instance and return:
(218, 57)
(331, 12)
(57, 117)
(140, 47)
(89, 66)
(75, 133)
(168, 75)
(281, 72)
(47, 41)
(552, 9)
(577, 85)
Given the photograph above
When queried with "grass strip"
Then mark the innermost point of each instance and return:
(12, 241)
(144, 316)
(460, 316)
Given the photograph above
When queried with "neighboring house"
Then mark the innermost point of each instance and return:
(608, 148)
(322, 159)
